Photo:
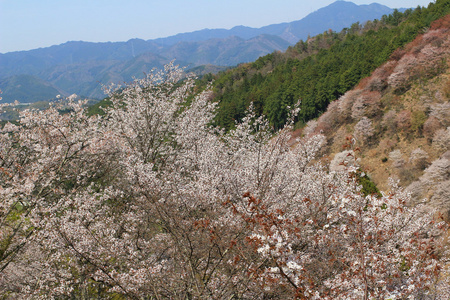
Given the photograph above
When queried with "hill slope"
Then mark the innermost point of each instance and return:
(400, 118)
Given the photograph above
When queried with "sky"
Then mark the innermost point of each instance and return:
(31, 24)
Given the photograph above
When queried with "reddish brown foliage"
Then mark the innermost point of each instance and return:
(442, 23)
(438, 30)
(403, 120)
(397, 54)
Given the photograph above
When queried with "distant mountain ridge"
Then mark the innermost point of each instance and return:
(335, 16)
(81, 67)
(19, 87)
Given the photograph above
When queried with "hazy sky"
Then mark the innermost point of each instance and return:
(29, 24)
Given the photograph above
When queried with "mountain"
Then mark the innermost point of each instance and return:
(81, 67)
(335, 16)
(228, 51)
(86, 79)
(72, 69)
(20, 87)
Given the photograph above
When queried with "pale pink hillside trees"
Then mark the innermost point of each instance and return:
(48, 157)
(364, 129)
(39, 160)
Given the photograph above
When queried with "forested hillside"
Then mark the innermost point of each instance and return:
(318, 70)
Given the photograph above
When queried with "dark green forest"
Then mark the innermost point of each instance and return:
(318, 70)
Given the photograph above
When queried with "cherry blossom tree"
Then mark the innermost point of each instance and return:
(441, 139)
(364, 129)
